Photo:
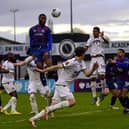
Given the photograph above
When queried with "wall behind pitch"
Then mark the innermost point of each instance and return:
(22, 85)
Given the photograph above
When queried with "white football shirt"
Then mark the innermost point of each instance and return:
(8, 77)
(33, 76)
(71, 70)
(96, 46)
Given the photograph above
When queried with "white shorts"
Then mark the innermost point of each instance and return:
(62, 93)
(37, 86)
(101, 68)
(9, 87)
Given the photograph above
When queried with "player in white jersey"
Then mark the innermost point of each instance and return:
(62, 96)
(1, 87)
(8, 84)
(35, 84)
(95, 44)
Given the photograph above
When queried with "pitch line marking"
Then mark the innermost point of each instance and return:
(68, 115)
(80, 114)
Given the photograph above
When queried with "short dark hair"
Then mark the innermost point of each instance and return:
(11, 57)
(97, 28)
(79, 51)
(42, 14)
(10, 54)
(122, 50)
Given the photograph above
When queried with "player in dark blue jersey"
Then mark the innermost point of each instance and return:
(41, 44)
(111, 85)
(117, 77)
(123, 78)
(111, 81)
(41, 41)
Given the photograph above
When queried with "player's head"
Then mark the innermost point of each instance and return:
(96, 31)
(80, 52)
(42, 19)
(121, 53)
(11, 57)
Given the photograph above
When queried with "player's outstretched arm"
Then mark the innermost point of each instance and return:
(26, 61)
(51, 68)
(21, 63)
(89, 72)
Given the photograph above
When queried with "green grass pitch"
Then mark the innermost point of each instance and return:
(83, 115)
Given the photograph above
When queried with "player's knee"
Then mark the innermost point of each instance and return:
(48, 62)
(125, 92)
(72, 102)
(106, 91)
(14, 94)
(13, 98)
(116, 94)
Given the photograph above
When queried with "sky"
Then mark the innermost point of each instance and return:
(112, 16)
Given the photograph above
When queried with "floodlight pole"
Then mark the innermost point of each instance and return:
(14, 21)
(71, 16)
(17, 76)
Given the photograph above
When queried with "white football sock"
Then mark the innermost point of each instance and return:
(8, 104)
(103, 85)
(13, 104)
(37, 116)
(93, 88)
(58, 106)
(51, 108)
(33, 104)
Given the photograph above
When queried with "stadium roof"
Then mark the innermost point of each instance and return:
(8, 41)
(76, 37)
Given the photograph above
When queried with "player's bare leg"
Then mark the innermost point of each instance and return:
(103, 85)
(44, 112)
(48, 59)
(49, 102)
(93, 90)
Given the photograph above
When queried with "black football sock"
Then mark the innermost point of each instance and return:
(113, 100)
